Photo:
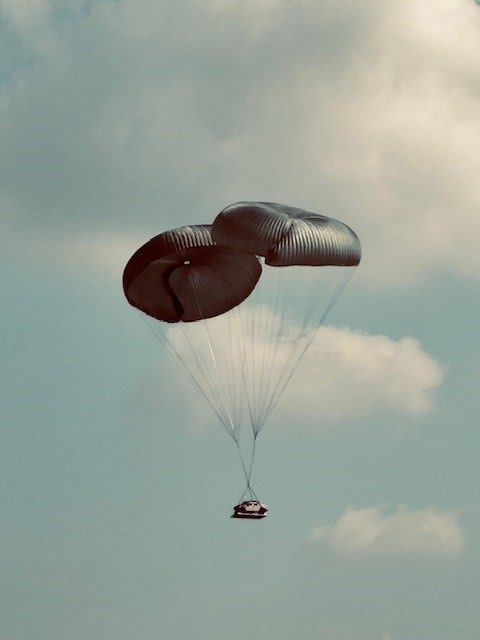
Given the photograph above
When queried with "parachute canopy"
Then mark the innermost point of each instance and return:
(181, 275)
(286, 235)
(236, 324)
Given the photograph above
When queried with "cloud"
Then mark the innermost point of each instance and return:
(241, 361)
(350, 374)
(30, 22)
(366, 113)
(25, 14)
(98, 254)
(405, 532)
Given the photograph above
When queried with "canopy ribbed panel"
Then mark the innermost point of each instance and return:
(150, 292)
(215, 283)
(286, 235)
(166, 243)
(180, 275)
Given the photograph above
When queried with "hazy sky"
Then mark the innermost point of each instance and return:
(121, 119)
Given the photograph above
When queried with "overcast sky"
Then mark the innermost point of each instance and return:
(121, 119)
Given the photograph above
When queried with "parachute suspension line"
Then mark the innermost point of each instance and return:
(241, 333)
(248, 470)
(248, 494)
(242, 330)
(236, 371)
(256, 333)
(237, 323)
(263, 325)
(248, 491)
(252, 348)
(252, 458)
(268, 355)
(289, 368)
(203, 363)
(222, 379)
(199, 378)
(333, 301)
(175, 355)
(219, 389)
(311, 337)
(229, 376)
(203, 370)
(244, 466)
(274, 337)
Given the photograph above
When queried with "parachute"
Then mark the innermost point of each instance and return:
(238, 303)
(180, 275)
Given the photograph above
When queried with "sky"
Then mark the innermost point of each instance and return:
(122, 119)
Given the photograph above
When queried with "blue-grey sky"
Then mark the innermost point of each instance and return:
(119, 120)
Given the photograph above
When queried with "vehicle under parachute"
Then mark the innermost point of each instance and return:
(250, 510)
(238, 303)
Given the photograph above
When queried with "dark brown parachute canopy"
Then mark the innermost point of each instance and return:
(286, 235)
(181, 275)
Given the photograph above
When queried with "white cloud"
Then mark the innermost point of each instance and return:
(96, 253)
(30, 19)
(345, 375)
(350, 374)
(364, 112)
(405, 532)
(25, 13)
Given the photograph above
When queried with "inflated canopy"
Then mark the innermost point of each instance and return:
(181, 275)
(286, 235)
